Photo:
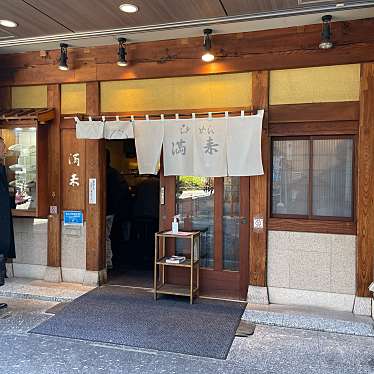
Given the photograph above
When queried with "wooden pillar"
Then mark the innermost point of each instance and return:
(5, 97)
(258, 187)
(365, 216)
(95, 168)
(54, 177)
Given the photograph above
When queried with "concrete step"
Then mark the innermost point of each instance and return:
(309, 318)
(24, 288)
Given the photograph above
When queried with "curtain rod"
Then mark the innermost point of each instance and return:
(167, 115)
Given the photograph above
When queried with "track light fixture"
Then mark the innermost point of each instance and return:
(63, 64)
(207, 56)
(326, 42)
(122, 60)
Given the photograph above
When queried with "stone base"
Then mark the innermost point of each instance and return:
(9, 270)
(53, 274)
(257, 295)
(363, 306)
(95, 278)
(29, 270)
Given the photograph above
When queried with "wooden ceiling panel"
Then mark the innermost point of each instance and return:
(234, 7)
(87, 15)
(30, 21)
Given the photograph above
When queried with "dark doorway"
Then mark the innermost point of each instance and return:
(132, 217)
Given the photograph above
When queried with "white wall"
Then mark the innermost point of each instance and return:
(312, 269)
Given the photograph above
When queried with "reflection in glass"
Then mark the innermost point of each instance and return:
(195, 205)
(231, 217)
(20, 162)
(332, 177)
(290, 177)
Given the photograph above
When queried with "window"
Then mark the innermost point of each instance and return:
(312, 177)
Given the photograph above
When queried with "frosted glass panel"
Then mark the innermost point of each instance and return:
(290, 177)
(332, 177)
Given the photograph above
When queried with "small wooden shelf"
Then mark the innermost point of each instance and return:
(192, 263)
(175, 289)
(186, 264)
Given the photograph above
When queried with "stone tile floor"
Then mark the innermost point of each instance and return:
(270, 350)
(25, 288)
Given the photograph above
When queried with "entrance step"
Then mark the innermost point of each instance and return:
(309, 318)
(24, 288)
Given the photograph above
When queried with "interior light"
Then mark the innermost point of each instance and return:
(128, 8)
(122, 60)
(8, 23)
(208, 56)
(326, 42)
(63, 63)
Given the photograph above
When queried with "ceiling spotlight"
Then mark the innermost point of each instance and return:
(326, 42)
(8, 23)
(63, 63)
(122, 60)
(128, 8)
(207, 56)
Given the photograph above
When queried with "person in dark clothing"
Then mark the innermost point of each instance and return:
(7, 247)
(113, 199)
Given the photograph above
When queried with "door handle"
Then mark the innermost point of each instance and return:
(243, 220)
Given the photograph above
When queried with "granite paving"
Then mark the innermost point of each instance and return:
(270, 349)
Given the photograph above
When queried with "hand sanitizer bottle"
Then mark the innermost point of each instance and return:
(174, 225)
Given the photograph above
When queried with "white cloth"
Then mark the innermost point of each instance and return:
(149, 136)
(244, 145)
(89, 129)
(118, 130)
(178, 147)
(210, 158)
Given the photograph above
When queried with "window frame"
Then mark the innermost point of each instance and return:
(310, 217)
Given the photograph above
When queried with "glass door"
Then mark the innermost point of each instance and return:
(219, 209)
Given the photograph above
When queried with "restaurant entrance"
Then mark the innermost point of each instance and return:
(132, 217)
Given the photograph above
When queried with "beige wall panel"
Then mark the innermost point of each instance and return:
(73, 98)
(213, 91)
(29, 97)
(315, 85)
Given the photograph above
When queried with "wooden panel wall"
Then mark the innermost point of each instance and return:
(73, 197)
(365, 224)
(258, 187)
(54, 177)
(95, 168)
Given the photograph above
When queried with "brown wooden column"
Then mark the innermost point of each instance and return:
(95, 168)
(258, 187)
(54, 177)
(365, 216)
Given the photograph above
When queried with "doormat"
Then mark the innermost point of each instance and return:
(118, 315)
(57, 308)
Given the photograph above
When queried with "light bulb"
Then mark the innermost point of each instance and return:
(207, 57)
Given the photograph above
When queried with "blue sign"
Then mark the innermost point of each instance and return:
(73, 218)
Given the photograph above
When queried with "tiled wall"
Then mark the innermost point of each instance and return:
(31, 240)
(304, 266)
(73, 253)
(310, 261)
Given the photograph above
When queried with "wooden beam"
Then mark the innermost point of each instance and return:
(287, 48)
(54, 177)
(95, 168)
(258, 188)
(365, 222)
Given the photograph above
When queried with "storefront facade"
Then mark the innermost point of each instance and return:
(315, 202)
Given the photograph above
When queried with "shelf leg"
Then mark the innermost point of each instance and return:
(155, 268)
